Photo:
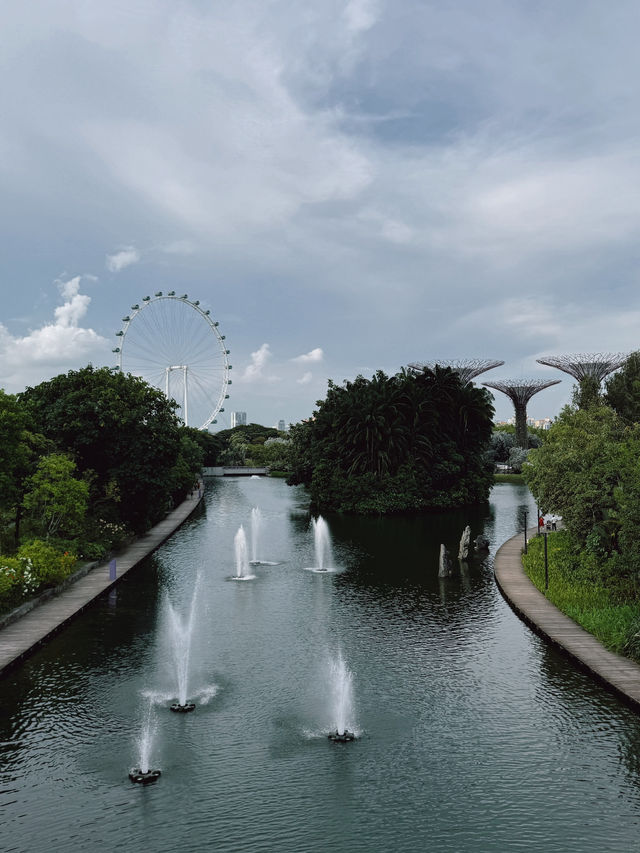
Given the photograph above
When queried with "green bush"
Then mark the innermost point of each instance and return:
(594, 595)
(10, 576)
(50, 567)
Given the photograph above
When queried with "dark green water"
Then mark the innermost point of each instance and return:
(475, 736)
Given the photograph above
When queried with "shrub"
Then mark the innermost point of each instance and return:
(10, 577)
(49, 567)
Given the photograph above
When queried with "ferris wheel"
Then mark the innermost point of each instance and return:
(174, 344)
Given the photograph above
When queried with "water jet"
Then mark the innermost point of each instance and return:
(322, 545)
(242, 557)
(341, 683)
(180, 634)
(142, 774)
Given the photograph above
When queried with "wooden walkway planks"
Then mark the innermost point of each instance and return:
(20, 638)
(614, 671)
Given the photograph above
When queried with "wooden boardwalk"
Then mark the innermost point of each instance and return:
(619, 674)
(20, 638)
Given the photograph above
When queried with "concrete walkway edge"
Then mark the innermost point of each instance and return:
(619, 674)
(20, 638)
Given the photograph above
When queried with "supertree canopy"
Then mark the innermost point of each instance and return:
(466, 368)
(520, 391)
(586, 365)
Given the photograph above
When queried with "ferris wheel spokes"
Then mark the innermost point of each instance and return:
(168, 334)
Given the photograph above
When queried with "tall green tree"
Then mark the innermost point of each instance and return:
(622, 390)
(123, 434)
(13, 424)
(577, 470)
(56, 498)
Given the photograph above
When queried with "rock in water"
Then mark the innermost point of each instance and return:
(465, 541)
(444, 570)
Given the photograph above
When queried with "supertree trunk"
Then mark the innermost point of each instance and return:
(522, 437)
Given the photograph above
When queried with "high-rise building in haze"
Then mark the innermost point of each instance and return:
(281, 426)
(238, 419)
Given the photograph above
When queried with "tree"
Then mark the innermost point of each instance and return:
(392, 444)
(13, 423)
(577, 470)
(20, 450)
(623, 390)
(55, 497)
(117, 427)
(587, 393)
(210, 443)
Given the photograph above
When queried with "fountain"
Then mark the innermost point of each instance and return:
(257, 525)
(322, 543)
(256, 529)
(143, 775)
(242, 558)
(181, 635)
(342, 695)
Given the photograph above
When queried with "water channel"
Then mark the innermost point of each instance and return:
(473, 735)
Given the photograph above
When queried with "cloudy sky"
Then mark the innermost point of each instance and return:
(346, 184)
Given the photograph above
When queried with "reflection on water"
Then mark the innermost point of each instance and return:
(474, 735)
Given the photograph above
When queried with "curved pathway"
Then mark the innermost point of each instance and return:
(616, 672)
(25, 634)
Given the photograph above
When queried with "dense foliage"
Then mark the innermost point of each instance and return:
(504, 450)
(86, 460)
(396, 444)
(588, 471)
(123, 435)
(254, 445)
(579, 588)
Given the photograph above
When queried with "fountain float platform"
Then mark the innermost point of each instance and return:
(183, 709)
(144, 777)
(341, 737)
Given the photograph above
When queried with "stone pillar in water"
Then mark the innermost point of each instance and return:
(444, 570)
(465, 541)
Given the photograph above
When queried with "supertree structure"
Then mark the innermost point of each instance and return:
(595, 365)
(520, 391)
(589, 369)
(466, 368)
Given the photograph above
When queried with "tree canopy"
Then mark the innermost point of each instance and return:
(123, 435)
(396, 444)
(623, 390)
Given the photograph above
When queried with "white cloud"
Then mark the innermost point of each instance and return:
(55, 347)
(305, 378)
(124, 257)
(314, 355)
(361, 15)
(259, 359)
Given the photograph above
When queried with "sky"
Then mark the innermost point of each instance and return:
(347, 185)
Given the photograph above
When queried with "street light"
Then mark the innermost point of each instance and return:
(546, 564)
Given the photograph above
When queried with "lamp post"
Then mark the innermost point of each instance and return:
(546, 564)
(525, 531)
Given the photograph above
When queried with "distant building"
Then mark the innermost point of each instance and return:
(540, 423)
(238, 419)
(281, 426)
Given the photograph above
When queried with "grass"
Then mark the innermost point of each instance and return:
(576, 590)
(508, 478)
